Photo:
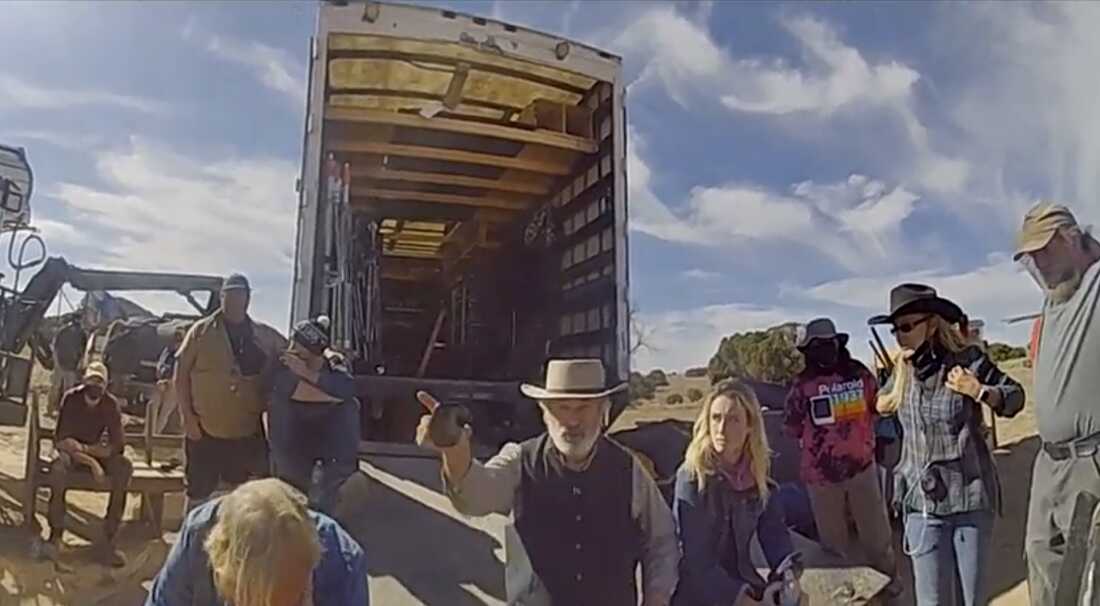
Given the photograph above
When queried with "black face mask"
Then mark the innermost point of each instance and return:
(94, 393)
(822, 354)
(927, 360)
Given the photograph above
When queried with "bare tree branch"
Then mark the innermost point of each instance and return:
(641, 335)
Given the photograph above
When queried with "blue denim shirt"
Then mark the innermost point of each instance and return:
(716, 527)
(340, 579)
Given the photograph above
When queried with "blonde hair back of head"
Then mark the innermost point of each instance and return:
(702, 461)
(261, 526)
(946, 335)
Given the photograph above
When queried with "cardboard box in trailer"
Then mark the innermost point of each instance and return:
(463, 210)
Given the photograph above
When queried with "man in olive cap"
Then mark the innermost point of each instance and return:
(89, 413)
(220, 390)
(1062, 258)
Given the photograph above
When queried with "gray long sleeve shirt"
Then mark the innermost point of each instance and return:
(492, 487)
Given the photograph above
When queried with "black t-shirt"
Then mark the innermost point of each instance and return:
(250, 358)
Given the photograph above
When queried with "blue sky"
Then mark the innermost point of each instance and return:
(786, 160)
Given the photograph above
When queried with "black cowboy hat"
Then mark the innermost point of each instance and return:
(918, 298)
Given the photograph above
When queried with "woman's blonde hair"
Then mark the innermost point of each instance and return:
(701, 460)
(261, 525)
(946, 335)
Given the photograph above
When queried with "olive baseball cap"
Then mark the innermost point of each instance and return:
(1040, 224)
(236, 282)
(96, 370)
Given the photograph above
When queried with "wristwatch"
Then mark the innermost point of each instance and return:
(983, 395)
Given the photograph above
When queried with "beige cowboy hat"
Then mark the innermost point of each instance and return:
(573, 380)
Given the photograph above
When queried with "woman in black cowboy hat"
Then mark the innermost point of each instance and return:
(946, 485)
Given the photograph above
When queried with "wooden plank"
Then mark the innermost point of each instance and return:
(358, 194)
(453, 52)
(403, 237)
(535, 186)
(430, 346)
(408, 270)
(449, 155)
(391, 101)
(462, 240)
(387, 78)
(408, 254)
(543, 137)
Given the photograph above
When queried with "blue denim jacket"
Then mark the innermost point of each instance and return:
(340, 579)
(716, 527)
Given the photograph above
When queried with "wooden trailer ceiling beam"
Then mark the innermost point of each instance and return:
(411, 239)
(510, 133)
(408, 254)
(536, 187)
(410, 270)
(341, 44)
(541, 166)
(362, 196)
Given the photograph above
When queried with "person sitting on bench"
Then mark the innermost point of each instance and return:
(87, 412)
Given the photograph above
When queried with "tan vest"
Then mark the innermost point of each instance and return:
(228, 405)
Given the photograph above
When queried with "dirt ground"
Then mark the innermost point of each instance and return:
(394, 578)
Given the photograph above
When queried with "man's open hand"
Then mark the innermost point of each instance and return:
(191, 427)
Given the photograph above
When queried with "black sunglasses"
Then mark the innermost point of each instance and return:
(909, 326)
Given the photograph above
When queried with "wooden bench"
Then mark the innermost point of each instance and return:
(150, 481)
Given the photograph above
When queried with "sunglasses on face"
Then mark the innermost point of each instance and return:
(908, 327)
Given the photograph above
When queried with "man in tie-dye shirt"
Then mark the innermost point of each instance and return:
(831, 411)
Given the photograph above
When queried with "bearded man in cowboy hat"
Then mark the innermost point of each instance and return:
(585, 512)
(1062, 258)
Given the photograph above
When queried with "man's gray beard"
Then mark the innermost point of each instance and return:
(1065, 289)
(574, 450)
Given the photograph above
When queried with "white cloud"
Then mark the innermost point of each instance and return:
(678, 53)
(700, 274)
(682, 57)
(838, 76)
(16, 93)
(161, 211)
(683, 339)
(855, 223)
(275, 68)
(994, 291)
(60, 233)
(64, 140)
(1042, 135)
(569, 15)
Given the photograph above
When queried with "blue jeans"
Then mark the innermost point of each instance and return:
(303, 435)
(946, 548)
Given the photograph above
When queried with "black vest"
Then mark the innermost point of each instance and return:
(578, 528)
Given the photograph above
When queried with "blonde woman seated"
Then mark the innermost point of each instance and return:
(723, 499)
(260, 546)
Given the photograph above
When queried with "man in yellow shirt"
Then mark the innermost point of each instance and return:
(219, 384)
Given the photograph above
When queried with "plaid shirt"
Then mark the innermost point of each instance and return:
(942, 432)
